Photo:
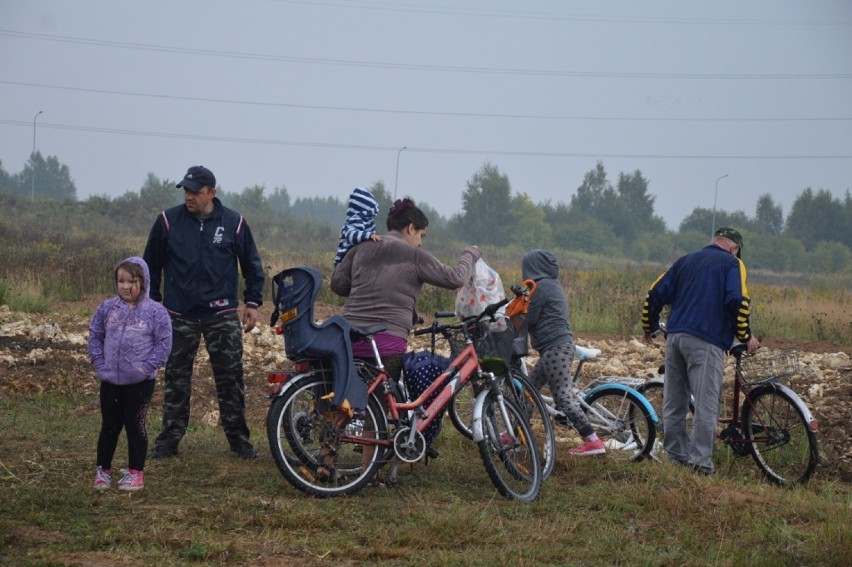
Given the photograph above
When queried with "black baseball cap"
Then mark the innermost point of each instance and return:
(197, 177)
(733, 235)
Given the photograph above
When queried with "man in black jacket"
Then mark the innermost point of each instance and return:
(194, 249)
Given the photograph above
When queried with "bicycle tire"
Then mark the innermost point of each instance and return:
(327, 463)
(623, 422)
(514, 468)
(528, 399)
(778, 434)
(275, 418)
(460, 408)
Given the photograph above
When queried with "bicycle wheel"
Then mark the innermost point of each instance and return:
(508, 450)
(622, 421)
(298, 416)
(325, 458)
(460, 408)
(778, 433)
(528, 399)
(525, 395)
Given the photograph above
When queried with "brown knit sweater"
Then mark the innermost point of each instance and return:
(381, 281)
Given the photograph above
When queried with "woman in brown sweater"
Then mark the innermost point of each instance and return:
(381, 281)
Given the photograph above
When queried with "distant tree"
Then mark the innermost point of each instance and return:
(279, 200)
(328, 210)
(637, 208)
(52, 179)
(769, 218)
(157, 195)
(817, 218)
(528, 228)
(251, 201)
(701, 220)
(486, 207)
(595, 197)
(7, 182)
(830, 258)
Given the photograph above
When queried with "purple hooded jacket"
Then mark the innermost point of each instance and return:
(128, 343)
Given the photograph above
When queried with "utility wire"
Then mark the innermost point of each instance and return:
(458, 151)
(417, 67)
(421, 112)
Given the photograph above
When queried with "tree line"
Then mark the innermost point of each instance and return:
(601, 218)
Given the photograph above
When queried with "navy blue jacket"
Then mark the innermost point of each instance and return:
(199, 259)
(708, 297)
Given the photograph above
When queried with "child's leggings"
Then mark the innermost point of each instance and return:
(124, 407)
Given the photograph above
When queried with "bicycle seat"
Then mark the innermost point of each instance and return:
(361, 333)
(585, 353)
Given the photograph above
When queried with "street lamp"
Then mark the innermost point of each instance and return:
(715, 195)
(396, 179)
(32, 156)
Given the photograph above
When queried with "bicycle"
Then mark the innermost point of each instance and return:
(495, 351)
(772, 424)
(325, 450)
(621, 415)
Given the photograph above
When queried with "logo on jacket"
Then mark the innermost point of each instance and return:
(217, 236)
(219, 303)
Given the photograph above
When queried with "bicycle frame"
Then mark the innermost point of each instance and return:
(461, 370)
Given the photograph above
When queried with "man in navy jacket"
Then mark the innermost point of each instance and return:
(197, 251)
(709, 308)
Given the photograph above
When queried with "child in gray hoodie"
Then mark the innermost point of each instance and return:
(550, 334)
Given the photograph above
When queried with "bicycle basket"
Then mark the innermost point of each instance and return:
(489, 344)
(770, 366)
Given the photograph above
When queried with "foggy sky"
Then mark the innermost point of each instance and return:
(320, 97)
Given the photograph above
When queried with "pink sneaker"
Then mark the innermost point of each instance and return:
(589, 448)
(103, 479)
(132, 480)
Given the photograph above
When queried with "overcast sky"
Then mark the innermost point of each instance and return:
(320, 97)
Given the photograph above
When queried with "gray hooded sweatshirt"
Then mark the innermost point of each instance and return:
(547, 318)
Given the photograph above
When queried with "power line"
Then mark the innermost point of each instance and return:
(418, 67)
(459, 151)
(553, 16)
(422, 112)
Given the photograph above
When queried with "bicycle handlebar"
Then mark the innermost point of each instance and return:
(490, 311)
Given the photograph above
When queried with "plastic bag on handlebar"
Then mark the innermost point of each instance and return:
(483, 288)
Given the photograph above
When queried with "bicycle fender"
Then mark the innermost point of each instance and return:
(293, 380)
(623, 388)
(477, 416)
(793, 396)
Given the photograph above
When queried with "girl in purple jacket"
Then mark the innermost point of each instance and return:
(130, 337)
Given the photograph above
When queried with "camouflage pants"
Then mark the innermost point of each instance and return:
(223, 338)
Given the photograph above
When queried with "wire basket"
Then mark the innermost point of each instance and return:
(770, 367)
(487, 342)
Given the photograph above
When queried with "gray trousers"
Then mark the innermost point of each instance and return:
(694, 368)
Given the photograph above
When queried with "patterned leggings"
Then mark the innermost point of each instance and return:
(554, 369)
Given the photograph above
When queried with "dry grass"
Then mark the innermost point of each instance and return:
(207, 507)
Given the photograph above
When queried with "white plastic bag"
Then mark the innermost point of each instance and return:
(485, 287)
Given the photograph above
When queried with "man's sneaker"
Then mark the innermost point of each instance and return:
(163, 451)
(595, 447)
(132, 480)
(103, 479)
(244, 451)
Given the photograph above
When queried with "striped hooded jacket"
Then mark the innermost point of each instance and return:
(360, 222)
